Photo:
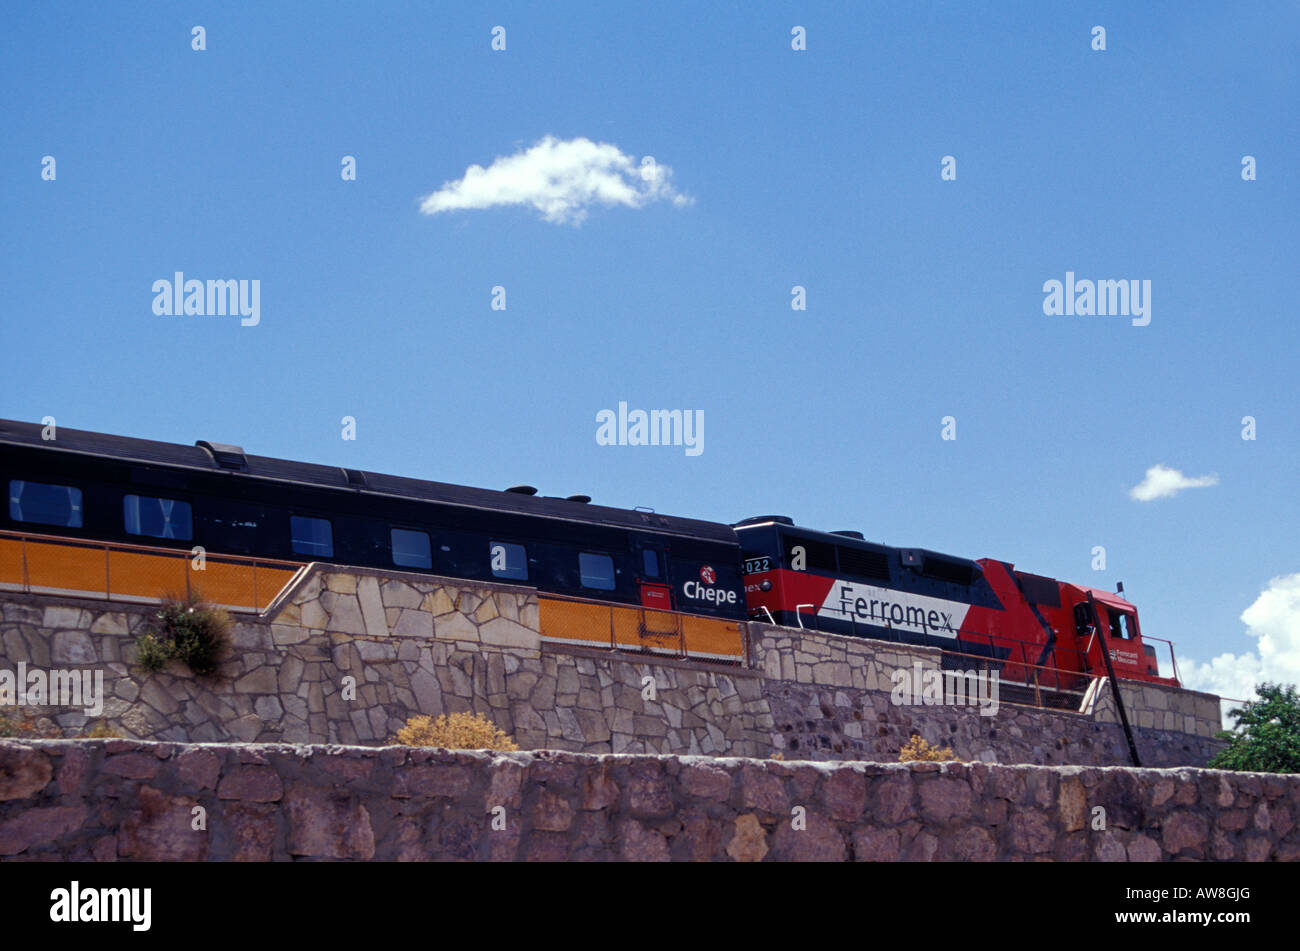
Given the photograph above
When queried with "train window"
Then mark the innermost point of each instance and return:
(312, 536)
(1121, 625)
(650, 562)
(597, 571)
(44, 504)
(509, 561)
(157, 518)
(411, 548)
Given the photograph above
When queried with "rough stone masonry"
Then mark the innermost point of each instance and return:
(419, 644)
(107, 800)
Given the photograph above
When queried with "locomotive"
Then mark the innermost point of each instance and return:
(1027, 625)
(626, 578)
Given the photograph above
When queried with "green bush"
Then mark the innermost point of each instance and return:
(152, 654)
(1266, 735)
(190, 631)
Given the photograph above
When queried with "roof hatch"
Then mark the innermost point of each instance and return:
(225, 455)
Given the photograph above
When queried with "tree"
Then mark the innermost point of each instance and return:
(1266, 736)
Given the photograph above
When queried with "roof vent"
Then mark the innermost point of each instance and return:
(522, 490)
(851, 534)
(583, 499)
(356, 478)
(225, 455)
(760, 519)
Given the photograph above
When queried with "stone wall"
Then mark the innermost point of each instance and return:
(830, 699)
(347, 655)
(111, 800)
(410, 644)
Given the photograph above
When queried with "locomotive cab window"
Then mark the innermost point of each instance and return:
(44, 504)
(509, 561)
(312, 536)
(157, 518)
(411, 548)
(1121, 625)
(650, 562)
(597, 571)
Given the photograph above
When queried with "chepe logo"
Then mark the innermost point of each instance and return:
(705, 591)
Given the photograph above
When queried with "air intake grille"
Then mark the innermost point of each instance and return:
(941, 569)
(864, 564)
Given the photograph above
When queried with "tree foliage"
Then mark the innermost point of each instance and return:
(1266, 735)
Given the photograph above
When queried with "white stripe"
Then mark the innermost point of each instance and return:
(887, 607)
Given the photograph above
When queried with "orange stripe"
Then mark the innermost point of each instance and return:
(134, 572)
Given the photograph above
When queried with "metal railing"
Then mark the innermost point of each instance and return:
(1173, 659)
(1003, 652)
(116, 571)
(631, 628)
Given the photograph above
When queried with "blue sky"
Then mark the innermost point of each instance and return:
(818, 168)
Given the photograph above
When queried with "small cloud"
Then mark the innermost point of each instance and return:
(1161, 482)
(1274, 621)
(561, 179)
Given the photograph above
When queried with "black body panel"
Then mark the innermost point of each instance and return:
(248, 513)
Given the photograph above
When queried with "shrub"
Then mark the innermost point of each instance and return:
(151, 653)
(20, 725)
(917, 749)
(102, 731)
(23, 724)
(189, 630)
(456, 731)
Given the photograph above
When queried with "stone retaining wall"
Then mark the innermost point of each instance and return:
(347, 655)
(114, 800)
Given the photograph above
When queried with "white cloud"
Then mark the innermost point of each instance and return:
(561, 179)
(1161, 482)
(1274, 620)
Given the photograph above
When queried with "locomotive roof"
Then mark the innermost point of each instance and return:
(847, 541)
(173, 455)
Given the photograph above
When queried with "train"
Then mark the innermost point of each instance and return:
(636, 565)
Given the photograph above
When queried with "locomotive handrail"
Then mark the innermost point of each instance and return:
(1010, 642)
(1003, 641)
(1173, 658)
(1076, 674)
